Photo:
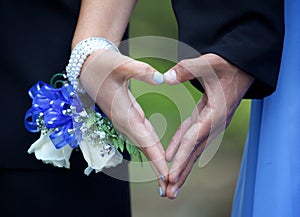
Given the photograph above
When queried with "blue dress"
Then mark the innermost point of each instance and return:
(269, 180)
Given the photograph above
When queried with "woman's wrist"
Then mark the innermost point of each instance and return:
(80, 53)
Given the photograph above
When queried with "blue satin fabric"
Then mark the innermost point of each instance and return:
(269, 180)
(52, 103)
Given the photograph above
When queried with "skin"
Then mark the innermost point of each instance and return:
(105, 76)
(223, 93)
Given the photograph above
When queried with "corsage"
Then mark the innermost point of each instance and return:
(65, 123)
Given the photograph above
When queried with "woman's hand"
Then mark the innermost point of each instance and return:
(225, 85)
(105, 76)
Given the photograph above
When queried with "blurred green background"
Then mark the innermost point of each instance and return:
(209, 191)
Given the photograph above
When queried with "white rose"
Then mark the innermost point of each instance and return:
(95, 159)
(45, 150)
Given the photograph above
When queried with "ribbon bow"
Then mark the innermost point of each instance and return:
(58, 110)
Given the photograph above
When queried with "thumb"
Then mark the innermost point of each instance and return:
(142, 71)
(187, 69)
(121, 68)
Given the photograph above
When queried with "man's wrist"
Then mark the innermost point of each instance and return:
(225, 69)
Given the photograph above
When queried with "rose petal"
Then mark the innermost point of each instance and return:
(44, 150)
(92, 155)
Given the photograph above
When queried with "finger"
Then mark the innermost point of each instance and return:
(121, 68)
(172, 189)
(158, 163)
(142, 71)
(175, 141)
(186, 70)
(156, 157)
(194, 136)
(151, 147)
(140, 131)
(129, 119)
(184, 152)
(201, 117)
(119, 105)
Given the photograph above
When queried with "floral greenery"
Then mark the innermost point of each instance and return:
(118, 140)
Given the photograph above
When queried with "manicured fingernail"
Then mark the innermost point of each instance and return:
(170, 75)
(175, 195)
(158, 77)
(162, 178)
(160, 191)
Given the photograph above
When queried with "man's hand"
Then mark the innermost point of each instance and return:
(224, 85)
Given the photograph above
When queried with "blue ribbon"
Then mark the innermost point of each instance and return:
(53, 104)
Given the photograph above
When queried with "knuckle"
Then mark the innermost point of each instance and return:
(187, 70)
(217, 62)
(173, 177)
(183, 64)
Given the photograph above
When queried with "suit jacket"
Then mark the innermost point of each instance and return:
(247, 33)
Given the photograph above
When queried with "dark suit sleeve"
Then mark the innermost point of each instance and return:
(247, 33)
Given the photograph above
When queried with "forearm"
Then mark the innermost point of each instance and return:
(103, 18)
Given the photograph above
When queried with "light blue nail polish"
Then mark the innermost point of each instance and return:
(160, 191)
(162, 178)
(158, 77)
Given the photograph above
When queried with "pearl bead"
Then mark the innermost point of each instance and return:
(79, 55)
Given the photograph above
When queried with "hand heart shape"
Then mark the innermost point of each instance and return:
(106, 77)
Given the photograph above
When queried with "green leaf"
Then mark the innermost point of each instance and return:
(121, 145)
(129, 147)
(115, 142)
(139, 155)
(90, 121)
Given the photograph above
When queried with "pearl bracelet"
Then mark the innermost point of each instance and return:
(79, 54)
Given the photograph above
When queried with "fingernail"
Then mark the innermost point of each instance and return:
(162, 178)
(160, 191)
(170, 75)
(175, 195)
(158, 77)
